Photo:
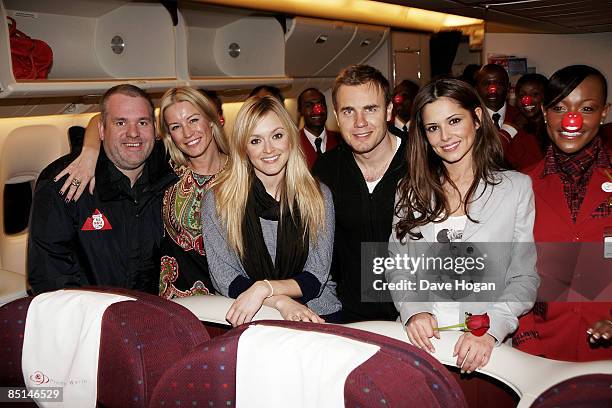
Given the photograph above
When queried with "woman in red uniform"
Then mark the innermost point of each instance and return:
(528, 142)
(573, 194)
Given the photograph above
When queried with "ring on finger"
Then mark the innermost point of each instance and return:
(75, 182)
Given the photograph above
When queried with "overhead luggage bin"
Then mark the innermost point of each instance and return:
(366, 40)
(96, 44)
(221, 48)
(310, 44)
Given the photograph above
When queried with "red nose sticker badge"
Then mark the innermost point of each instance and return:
(97, 221)
(571, 122)
(492, 90)
(317, 109)
(526, 100)
(398, 99)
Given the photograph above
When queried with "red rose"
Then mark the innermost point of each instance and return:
(478, 325)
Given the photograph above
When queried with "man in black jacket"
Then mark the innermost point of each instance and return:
(110, 238)
(362, 174)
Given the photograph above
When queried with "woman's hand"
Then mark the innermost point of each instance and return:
(248, 304)
(600, 332)
(293, 310)
(473, 352)
(81, 172)
(420, 329)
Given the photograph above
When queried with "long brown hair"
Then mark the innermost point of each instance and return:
(420, 191)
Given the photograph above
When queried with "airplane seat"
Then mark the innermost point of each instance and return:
(585, 391)
(24, 152)
(396, 373)
(139, 340)
(12, 326)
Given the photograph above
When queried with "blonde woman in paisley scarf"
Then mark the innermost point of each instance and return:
(195, 141)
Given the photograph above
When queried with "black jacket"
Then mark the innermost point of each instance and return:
(71, 245)
(361, 217)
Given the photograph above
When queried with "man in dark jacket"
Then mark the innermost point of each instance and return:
(362, 174)
(110, 238)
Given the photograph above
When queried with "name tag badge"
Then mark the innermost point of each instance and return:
(608, 242)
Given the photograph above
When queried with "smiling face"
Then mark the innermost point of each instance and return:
(492, 86)
(588, 100)
(268, 150)
(191, 131)
(128, 132)
(531, 92)
(362, 116)
(450, 130)
(314, 117)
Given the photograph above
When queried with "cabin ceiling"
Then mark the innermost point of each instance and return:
(546, 16)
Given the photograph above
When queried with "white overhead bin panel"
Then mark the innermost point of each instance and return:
(311, 44)
(365, 42)
(227, 48)
(96, 44)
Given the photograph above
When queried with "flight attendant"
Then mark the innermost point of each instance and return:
(573, 195)
(526, 135)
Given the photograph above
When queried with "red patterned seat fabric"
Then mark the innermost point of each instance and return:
(397, 375)
(585, 391)
(12, 325)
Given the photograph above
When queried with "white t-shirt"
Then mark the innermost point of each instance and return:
(451, 230)
(372, 184)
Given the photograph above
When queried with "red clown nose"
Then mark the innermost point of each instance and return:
(398, 99)
(317, 109)
(571, 122)
(526, 100)
(492, 89)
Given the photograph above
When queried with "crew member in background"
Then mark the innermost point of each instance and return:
(403, 97)
(530, 142)
(492, 84)
(314, 137)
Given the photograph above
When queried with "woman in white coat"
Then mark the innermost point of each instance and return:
(457, 197)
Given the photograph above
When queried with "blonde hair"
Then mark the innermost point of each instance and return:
(203, 104)
(297, 187)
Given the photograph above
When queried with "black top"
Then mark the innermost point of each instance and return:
(360, 217)
(110, 238)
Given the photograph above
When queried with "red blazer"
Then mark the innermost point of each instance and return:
(511, 113)
(333, 138)
(560, 333)
(521, 151)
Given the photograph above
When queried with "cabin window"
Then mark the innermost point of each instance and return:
(17, 205)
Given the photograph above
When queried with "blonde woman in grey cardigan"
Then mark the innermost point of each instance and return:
(268, 225)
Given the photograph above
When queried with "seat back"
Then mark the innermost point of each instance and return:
(139, 341)
(397, 373)
(24, 152)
